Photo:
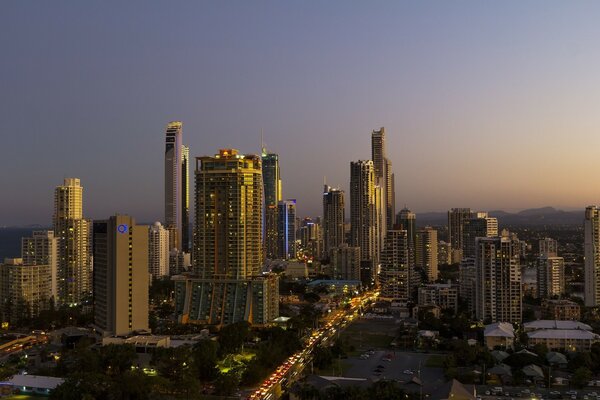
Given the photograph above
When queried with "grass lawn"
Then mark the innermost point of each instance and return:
(232, 361)
(435, 361)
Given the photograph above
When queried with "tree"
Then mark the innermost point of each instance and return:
(205, 355)
(226, 384)
(581, 377)
(233, 336)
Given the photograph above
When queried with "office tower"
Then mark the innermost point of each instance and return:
(426, 252)
(480, 225)
(286, 230)
(363, 216)
(25, 290)
(177, 187)
(272, 189)
(550, 276)
(467, 277)
(592, 256)
(395, 271)
(228, 246)
(42, 249)
(74, 244)
(456, 221)
(346, 262)
(120, 276)
(498, 279)
(333, 218)
(548, 247)
(158, 251)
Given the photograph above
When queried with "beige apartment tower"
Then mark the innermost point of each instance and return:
(427, 252)
(74, 250)
(592, 256)
(121, 277)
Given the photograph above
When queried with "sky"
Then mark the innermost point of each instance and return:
(488, 105)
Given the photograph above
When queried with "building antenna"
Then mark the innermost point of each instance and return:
(262, 142)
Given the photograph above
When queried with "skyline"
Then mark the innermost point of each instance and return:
(485, 106)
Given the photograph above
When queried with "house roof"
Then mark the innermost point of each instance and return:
(533, 371)
(499, 355)
(555, 324)
(554, 357)
(500, 369)
(36, 381)
(499, 329)
(459, 392)
(563, 334)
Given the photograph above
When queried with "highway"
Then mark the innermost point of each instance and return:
(273, 387)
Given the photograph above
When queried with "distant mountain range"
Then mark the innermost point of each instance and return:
(530, 217)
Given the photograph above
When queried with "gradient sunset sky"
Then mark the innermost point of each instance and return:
(488, 105)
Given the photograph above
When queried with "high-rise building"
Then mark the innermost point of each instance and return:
(480, 225)
(384, 178)
(426, 252)
(346, 262)
(158, 251)
(42, 249)
(177, 187)
(363, 216)
(333, 218)
(548, 247)
(407, 220)
(74, 244)
(592, 256)
(272, 189)
(467, 277)
(444, 253)
(228, 246)
(228, 231)
(286, 231)
(550, 276)
(311, 240)
(120, 276)
(395, 271)
(456, 222)
(498, 279)
(25, 290)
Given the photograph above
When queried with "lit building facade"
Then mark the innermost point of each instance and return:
(42, 249)
(346, 262)
(272, 190)
(158, 251)
(121, 278)
(456, 222)
(333, 218)
(427, 252)
(177, 187)
(395, 271)
(592, 256)
(286, 230)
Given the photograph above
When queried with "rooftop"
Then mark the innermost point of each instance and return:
(555, 324)
(499, 329)
(563, 334)
(36, 381)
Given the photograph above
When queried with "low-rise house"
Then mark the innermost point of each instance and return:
(555, 324)
(564, 339)
(499, 334)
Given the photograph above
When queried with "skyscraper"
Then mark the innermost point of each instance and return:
(272, 189)
(384, 178)
(548, 247)
(74, 244)
(363, 216)
(177, 186)
(426, 252)
(456, 222)
(550, 276)
(346, 262)
(228, 286)
(395, 271)
(592, 256)
(498, 279)
(286, 231)
(228, 231)
(120, 276)
(333, 218)
(158, 251)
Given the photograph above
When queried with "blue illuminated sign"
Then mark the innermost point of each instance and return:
(123, 228)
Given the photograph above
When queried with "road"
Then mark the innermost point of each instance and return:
(288, 372)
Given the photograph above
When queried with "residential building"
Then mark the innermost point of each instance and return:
(444, 253)
(572, 340)
(74, 243)
(286, 230)
(395, 272)
(467, 276)
(158, 251)
(592, 256)
(498, 279)
(564, 310)
(426, 253)
(364, 210)
(177, 187)
(550, 276)
(121, 278)
(542, 324)
(333, 218)
(499, 334)
(443, 295)
(384, 178)
(548, 247)
(346, 262)
(42, 249)
(480, 225)
(272, 190)
(456, 222)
